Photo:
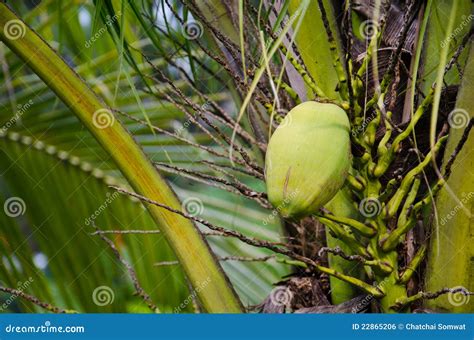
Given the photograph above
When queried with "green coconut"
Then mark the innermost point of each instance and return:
(308, 158)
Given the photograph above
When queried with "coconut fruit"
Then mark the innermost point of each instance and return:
(308, 158)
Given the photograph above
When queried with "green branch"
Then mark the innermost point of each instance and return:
(345, 236)
(396, 200)
(414, 263)
(386, 158)
(351, 223)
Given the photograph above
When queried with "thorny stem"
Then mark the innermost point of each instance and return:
(234, 168)
(223, 116)
(394, 57)
(293, 61)
(263, 259)
(402, 303)
(233, 187)
(47, 306)
(264, 244)
(289, 90)
(303, 73)
(128, 231)
(341, 73)
(131, 272)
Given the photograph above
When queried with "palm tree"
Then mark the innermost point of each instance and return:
(135, 161)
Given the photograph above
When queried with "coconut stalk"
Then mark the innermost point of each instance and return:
(182, 235)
